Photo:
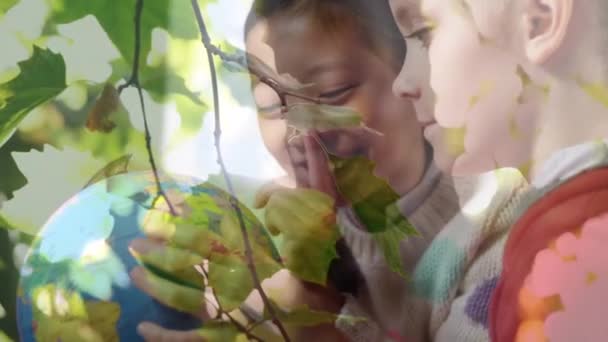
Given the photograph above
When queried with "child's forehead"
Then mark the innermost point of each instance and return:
(430, 8)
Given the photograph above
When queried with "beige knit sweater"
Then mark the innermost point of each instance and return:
(453, 264)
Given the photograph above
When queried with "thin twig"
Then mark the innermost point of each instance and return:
(134, 81)
(221, 311)
(233, 201)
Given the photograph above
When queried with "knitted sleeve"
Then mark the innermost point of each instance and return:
(460, 270)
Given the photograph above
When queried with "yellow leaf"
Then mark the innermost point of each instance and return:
(596, 91)
(106, 104)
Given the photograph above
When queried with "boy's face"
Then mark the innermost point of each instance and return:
(274, 132)
(345, 72)
(476, 87)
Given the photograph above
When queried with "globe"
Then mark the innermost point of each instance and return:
(75, 278)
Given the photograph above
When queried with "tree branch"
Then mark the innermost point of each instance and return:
(134, 81)
(233, 201)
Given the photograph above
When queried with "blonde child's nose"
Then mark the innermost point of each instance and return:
(405, 88)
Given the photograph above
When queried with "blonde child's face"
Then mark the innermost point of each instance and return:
(476, 86)
(346, 72)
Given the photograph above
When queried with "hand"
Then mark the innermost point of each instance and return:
(305, 217)
(180, 248)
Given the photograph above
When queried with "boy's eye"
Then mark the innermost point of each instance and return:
(336, 94)
(424, 35)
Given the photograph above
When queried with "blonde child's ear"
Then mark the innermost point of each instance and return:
(546, 24)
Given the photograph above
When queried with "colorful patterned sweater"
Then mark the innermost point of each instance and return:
(555, 266)
(454, 265)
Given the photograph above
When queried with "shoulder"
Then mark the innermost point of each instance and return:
(545, 251)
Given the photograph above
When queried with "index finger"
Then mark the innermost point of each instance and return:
(319, 175)
(154, 333)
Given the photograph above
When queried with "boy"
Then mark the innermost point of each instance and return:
(364, 65)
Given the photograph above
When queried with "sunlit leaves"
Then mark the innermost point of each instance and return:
(160, 81)
(64, 315)
(116, 18)
(229, 273)
(42, 78)
(210, 228)
(5, 5)
(231, 278)
(306, 220)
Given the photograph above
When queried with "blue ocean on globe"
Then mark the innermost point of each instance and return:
(79, 263)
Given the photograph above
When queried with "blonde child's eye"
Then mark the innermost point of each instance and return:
(424, 35)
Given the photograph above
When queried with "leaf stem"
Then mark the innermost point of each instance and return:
(134, 82)
(233, 201)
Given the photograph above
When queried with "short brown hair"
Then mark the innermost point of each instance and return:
(372, 19)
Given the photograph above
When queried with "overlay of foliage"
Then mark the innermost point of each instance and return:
(87, 127)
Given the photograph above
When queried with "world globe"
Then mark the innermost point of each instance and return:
(74, 283)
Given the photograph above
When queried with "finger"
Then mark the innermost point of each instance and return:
(173, 263)
(318, 167)
(178, 297)
(160, 226)
(264, 194)
(154, 333)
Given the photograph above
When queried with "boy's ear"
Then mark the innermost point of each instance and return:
(546, 23)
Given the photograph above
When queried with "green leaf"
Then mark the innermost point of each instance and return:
(221, 331)
(309, 257)
(4, 338)
(64, 315)
(160, 81)
(303, 316)
(368, 194)
(374, 203)
(229, 274)
(117, 20)
(42, 77)
(212, 230)
(115, 167)
(103, 317)
(6, 5)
